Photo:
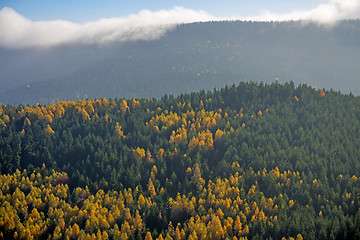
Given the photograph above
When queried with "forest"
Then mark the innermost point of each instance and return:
(247, 161)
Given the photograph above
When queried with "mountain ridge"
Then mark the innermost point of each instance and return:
(203, 56)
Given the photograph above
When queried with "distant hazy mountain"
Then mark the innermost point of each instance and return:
(191, 57)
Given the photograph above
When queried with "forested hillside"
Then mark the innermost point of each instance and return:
(189, 58)
(253, 161)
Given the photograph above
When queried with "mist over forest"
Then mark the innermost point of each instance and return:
(188, 58)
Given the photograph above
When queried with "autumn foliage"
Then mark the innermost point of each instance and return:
(251, 161)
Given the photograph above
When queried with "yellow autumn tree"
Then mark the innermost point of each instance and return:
(291, 203)
(118, 131)
(299, 237)
(151, 188)
(139, 153)
(141, 201)
(124, 106)
(135, 104)
(160, 237)
(75, 231)
(137, 221)
(84, 114)
(6, 119)
(149, 156)
(89, 108)
(218, 135)
(59, 112)
(148, 236)
(215, 229)
(27, 122)
(160, 154)
(193, 143)
(48, 118)
(179, 136)
(49, 130)
(206, 139)
(238, 225)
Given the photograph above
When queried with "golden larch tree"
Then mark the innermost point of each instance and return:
(124, 106)
(49, 130)
(151, 188)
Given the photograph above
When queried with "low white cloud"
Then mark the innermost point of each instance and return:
(325, 13)
(16, 31)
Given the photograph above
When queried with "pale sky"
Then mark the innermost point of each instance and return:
(48, 23)
(91, 10)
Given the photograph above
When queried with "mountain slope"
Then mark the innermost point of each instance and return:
(207, 55)
(255, 161)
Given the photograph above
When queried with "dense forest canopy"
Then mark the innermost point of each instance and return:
(248, 161)
(190, 58)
